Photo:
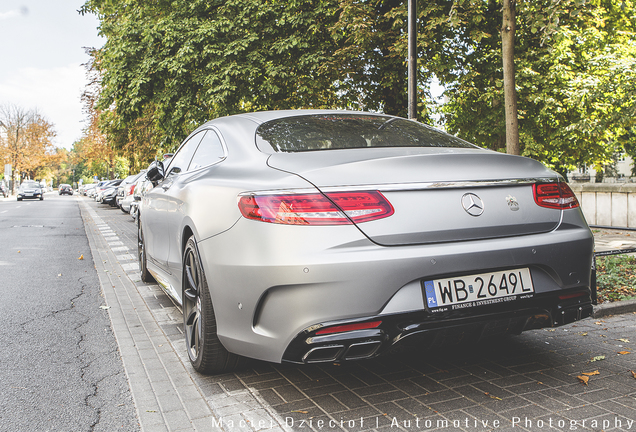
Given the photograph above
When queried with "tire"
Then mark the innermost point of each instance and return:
(141, 254)
(41, 197)
(205, 351)
(19, 199)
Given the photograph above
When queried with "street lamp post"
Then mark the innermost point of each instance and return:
(412, 56)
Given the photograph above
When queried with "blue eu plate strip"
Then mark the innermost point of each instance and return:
(431, 298)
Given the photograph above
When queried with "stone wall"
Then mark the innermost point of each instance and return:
(607, 204)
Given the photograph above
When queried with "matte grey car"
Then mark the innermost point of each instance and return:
(322, 236)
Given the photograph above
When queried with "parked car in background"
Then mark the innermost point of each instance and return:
(97, 186)
(30, 190)
(4, 189)
(142, 186)
(125, 191)
(65, 189)
(322, 236)
(88, 188)
(101, 189)
(109, 196)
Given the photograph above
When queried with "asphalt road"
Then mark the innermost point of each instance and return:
(60, 367)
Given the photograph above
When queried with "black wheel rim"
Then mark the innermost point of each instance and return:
(192, 305)
(140, 246)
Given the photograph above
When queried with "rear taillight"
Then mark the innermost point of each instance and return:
(335, 208)
(555, 196)
(130, 190)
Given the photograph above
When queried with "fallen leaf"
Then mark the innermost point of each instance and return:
(551, 330)
(491, 396)
(584, 334)
(591, 373)
(624, 352)
(633, 374)
(597, 358)
(584, 379)
(599, 322)
(299, 411)
(59, 275)
(81, 257)
(623, 340)
(18, 251)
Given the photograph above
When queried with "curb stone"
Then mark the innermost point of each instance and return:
(614, 308)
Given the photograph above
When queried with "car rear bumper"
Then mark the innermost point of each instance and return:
(422, 330)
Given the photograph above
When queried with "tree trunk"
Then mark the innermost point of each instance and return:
(510, 93)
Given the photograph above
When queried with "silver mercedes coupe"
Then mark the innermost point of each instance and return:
(328, 236)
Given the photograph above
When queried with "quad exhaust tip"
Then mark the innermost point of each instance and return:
(332, 353)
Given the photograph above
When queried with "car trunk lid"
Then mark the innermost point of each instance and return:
(439, 195)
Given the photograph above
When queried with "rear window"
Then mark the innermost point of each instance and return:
(347, 131)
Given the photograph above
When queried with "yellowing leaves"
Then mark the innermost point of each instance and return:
(584, 379)
(585, 376)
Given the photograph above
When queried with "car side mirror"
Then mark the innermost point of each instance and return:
(155, 172)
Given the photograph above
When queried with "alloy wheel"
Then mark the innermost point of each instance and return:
(192, 305)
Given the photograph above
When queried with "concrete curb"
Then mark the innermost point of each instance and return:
(614, 308)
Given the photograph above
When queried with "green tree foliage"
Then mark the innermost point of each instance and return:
(169, 66)
(574, 73)
(178, 64)
(370, 62)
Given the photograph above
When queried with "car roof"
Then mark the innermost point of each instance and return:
(264, 116)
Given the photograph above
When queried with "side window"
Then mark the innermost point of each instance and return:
(181, 160)
(210, 151)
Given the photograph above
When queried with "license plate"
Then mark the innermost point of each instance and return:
(479, 289)
(28, 194)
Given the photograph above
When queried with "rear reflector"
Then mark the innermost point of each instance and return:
(554, 195)
(336, 208)
(573, 295)
(349, 327)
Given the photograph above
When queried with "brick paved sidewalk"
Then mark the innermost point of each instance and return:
(527, 382)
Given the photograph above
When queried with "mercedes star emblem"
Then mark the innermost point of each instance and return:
(473, 205)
